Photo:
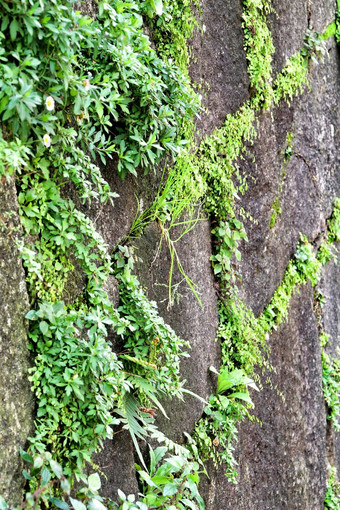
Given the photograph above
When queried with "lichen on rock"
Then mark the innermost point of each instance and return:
(16, 399)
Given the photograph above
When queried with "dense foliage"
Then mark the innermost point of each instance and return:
(74, 92)
(97, 83)
(75, 89)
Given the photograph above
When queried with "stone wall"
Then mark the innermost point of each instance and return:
(16, 402)
(282, 464)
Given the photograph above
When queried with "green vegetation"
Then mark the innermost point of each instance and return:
(259, 49)
(244, 338)
(277, 210)
(294, 76)
(170, 482)
(216, 432)
(94, 85)
(173, 30)
(119, 96)
(286, 155)
(244, 343)
(75, 91)
(330, 383)
(330, 364)
(337, 22)
(332, 496)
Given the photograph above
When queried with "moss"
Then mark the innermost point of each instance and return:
(259, 48)
(286, 155)
(276, 208)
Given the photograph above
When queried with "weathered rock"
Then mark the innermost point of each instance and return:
(310, 181)
(16, 403)
(116, 465)
(115, 460)
(288, 40)
(75, 282)
(114, 221)
(282, 463)
(219, 62)
(187, 317)
(111, 287)
(330, 322)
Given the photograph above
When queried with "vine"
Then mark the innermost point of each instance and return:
(88, 85)
(259, 49)
(169, 483)
(243, 338)
(330, 382)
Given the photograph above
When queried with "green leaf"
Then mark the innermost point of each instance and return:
(228, 379)
(241, 396)
(94, 504)
(238, 255)
(147, 479)
(130, 413)
(77, 505)
(158, 6)
(94, 482)
(59, 503)
(43, 326)
(13, 28)
(26, 475)
(329, 32)
(65, 486)
(224, 401)
(100, 428)
(38, 462)
(170, 489)
(121, 495)
(26, 456)
(56, 468)
(45, 477)
(156, 456)
(77, 105)
(3, 504)
(99, 109)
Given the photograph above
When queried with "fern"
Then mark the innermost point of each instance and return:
(134, 421)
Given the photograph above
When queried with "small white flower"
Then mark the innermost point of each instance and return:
(87, 84)
(47, 140)
(204, 28)
(49, 103)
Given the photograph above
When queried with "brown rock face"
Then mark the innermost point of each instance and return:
(16, 404)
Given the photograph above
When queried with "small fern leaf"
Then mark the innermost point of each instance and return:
(130, 415)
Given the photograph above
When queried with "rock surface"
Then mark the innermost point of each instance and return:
(116, 465)
(16, 403)
(219, 62)
(187, 317)
(330, 320)
(282, 465)
(310, 180)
